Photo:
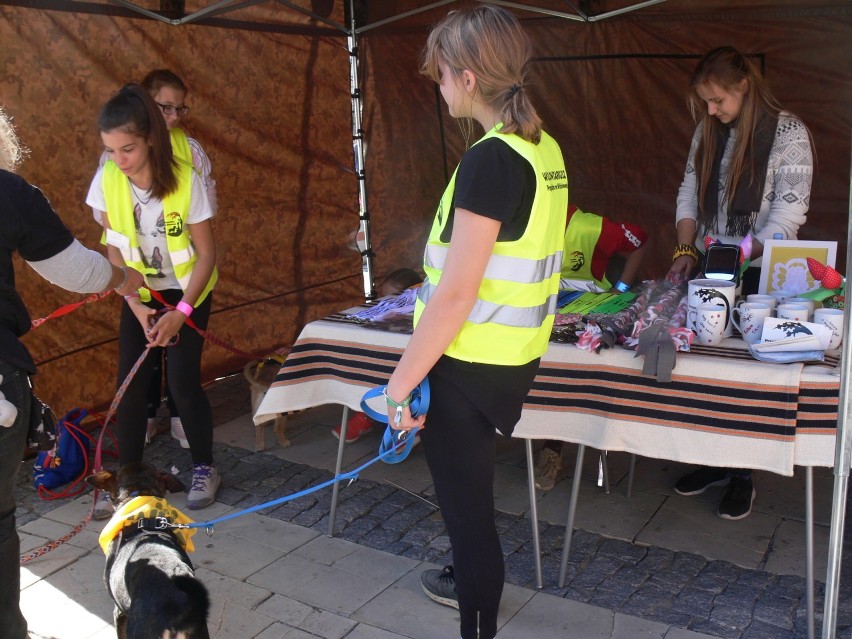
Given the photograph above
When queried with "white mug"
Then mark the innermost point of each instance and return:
(781, 296)
(805, 301)
(710, 322)
(757, 298)
(705, 291)
(795, 312)
(748, 318)
(833, 319)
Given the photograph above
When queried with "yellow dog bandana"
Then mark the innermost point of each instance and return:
(145, 507)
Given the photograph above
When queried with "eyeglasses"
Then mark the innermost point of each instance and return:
(171, 109)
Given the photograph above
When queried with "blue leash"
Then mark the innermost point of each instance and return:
(396, 444)
(395, 447)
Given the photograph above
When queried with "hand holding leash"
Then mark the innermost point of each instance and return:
(404, 419)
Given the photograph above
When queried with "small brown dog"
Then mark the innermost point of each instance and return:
(148, 572)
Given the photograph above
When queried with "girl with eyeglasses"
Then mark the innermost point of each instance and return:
(157, 218)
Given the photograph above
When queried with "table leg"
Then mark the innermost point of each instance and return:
(338, 467)
(809, 547)
(572, 510)
(539, 581)
(630, 476)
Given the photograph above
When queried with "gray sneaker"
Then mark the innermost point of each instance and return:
(205, 483)
(440, 586)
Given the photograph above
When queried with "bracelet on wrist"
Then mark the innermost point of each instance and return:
(405, 402)
(124, 280)
(621, 287)
(685, 249)
(184, 308)
(397, 417)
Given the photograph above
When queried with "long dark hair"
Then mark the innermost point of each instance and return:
(133, 111)
(727, 67)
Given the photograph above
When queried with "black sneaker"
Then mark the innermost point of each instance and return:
(440, 586)
(737, 499)
(697, 482)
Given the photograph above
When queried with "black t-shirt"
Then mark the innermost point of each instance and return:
(30, 226)
(493, 180)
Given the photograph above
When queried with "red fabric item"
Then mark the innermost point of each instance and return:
(616, 237)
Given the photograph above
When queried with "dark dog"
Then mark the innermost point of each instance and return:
(148, 573)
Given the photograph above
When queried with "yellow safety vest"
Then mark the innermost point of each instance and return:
(119, 204)
(180, 145)
(581, 238)
(511, 320)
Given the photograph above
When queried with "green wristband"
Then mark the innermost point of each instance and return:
(390, 401)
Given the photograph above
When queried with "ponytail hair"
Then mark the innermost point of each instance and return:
(133, 111)
(490, 43)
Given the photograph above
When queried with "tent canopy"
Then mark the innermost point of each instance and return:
(270, 96)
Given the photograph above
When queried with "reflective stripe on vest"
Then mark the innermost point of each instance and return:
(119, 204)
(483, 312)
(512, 317)
(502, 267)
(581, 238)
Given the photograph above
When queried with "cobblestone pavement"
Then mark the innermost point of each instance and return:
(685, 590)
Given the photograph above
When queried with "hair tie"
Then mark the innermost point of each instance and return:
(514, 89)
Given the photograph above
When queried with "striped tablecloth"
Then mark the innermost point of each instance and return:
(721, 408)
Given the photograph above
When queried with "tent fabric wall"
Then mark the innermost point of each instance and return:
(613, 93)
(272, 110)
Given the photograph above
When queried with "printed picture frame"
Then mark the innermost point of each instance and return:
(785, 266)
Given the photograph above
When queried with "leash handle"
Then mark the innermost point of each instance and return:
(397, 444)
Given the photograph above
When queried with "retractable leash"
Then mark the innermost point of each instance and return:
(395, 446)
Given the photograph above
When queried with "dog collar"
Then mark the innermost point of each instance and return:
(148, 507)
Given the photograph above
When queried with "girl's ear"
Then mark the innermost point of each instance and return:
(469, 81)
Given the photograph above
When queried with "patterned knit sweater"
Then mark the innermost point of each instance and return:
(786, 193)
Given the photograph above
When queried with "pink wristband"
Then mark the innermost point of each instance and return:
(184, 308)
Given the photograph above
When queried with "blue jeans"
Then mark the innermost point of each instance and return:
(16, 388)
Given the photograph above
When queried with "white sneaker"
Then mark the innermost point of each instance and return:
(205, 483)
(104, 508)
(151, 430)
(177, 432)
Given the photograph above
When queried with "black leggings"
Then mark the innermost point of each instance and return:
(460, 449)
(184, 379)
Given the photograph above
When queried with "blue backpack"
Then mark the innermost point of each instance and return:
(67, 462)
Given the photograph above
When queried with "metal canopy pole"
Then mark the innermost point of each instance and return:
(362, 237)
(842, 454)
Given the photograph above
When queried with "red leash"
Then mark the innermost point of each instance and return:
(64, 310)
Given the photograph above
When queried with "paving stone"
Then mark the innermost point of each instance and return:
(645, 600)
(760, 630)
(734, 617)
(659, 585)
(736, 594)
(779, 611)
(709, 582)
(695, 602)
